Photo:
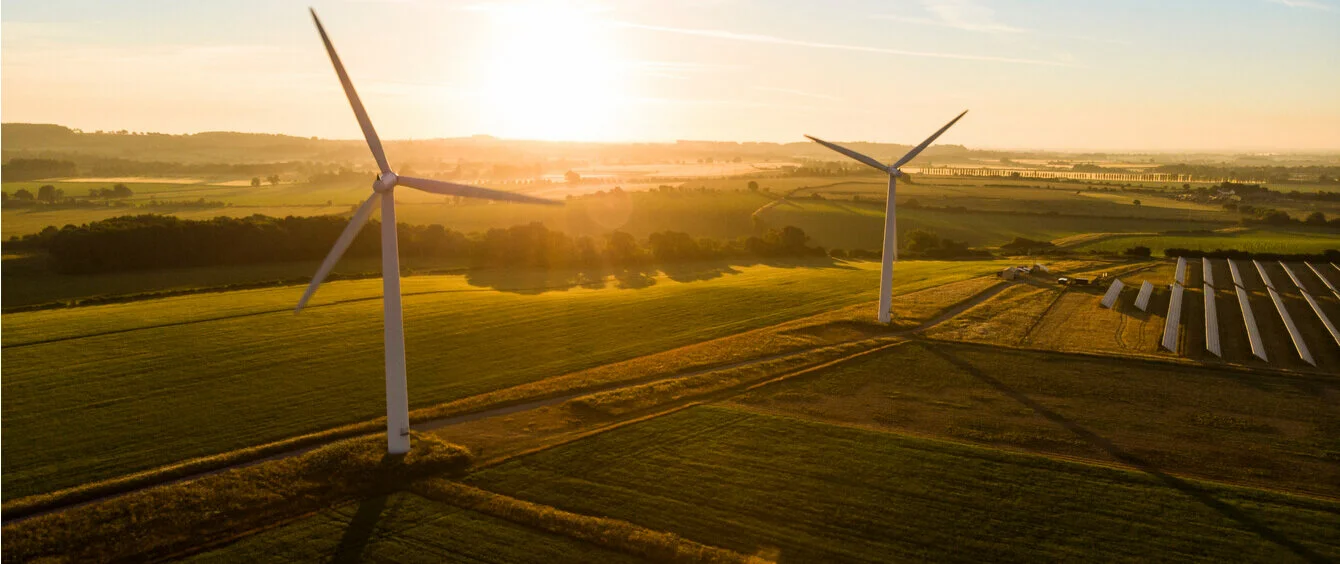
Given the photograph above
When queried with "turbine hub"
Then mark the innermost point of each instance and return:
(895, 172)
(385, 182)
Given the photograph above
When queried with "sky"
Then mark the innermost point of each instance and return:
(1241, 75)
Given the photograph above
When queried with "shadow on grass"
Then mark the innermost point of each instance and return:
(1209, 500)
(360, 531)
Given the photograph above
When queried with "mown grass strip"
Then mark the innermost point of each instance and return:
(162, 521)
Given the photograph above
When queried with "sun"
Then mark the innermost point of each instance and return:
(553, 73)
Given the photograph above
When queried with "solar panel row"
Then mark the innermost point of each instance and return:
(1171, 325)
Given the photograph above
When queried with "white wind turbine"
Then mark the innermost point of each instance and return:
(397, 400)
(890, 218)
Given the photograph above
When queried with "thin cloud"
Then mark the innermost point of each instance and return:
(965, 15)
(979, 27)
(773, 40)
(1307, 4)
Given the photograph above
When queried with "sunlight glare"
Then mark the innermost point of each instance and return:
(553, 73)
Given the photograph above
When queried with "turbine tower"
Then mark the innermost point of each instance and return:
(383, 190)
(890, 253)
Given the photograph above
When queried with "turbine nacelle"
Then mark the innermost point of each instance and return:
(385, 182)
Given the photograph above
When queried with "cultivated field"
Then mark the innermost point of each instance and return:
(796, 490)
(1296, 241)
(175, 378)
(1269, 431)
(407, 528)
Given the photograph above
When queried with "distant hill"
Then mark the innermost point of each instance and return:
(31, 140)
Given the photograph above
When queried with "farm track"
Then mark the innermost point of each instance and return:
(511, 408)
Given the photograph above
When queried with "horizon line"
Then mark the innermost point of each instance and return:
(800, 140)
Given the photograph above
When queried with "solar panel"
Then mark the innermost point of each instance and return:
(1316, 308)
(1110, 299)
(1237, 276)
(1294, 277)
(1207, 273)
(1211, 323)
(1174, 319)
(1180, 275)
(1142, 300)
(1262, 271)
(1248, 319)
(1297, 337)
(1324, 280)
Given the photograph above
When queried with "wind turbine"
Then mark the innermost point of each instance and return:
(890, 218)
(383, 189)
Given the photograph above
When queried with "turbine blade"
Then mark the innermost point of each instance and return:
(454, 189)
(369, 133)
(850, 153)
(355, 225)
(927, 143)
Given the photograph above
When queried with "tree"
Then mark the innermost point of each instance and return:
(753, 186)
(921, 241)
(1315, 218)
(1136, 202)
(23, 195)
(121, 191)
(793, 238)
(621, 248)
(912, 204)
(49, 193)
(255, 181)
(1139, 251)
(572, 177)
(273, 179)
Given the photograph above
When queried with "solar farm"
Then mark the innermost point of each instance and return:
(1302, 300)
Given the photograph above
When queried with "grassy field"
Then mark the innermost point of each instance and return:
(27, 281)
(803, 491)
(1255, 240)
(1265, 430)
(407, 528)
(845, 224)
(99, 391)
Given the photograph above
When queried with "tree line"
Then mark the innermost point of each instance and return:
(145, 242)
(1329, 255)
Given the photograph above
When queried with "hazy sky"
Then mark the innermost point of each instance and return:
(1130, 74)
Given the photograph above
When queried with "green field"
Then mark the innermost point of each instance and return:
(406, 528)
(100, 391)
(1299, 241)
(844, 224)
(801, 491)
(1265, 430)
(27, 281)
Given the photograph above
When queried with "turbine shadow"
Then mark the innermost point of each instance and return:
(360, 530)
(1209, 500)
